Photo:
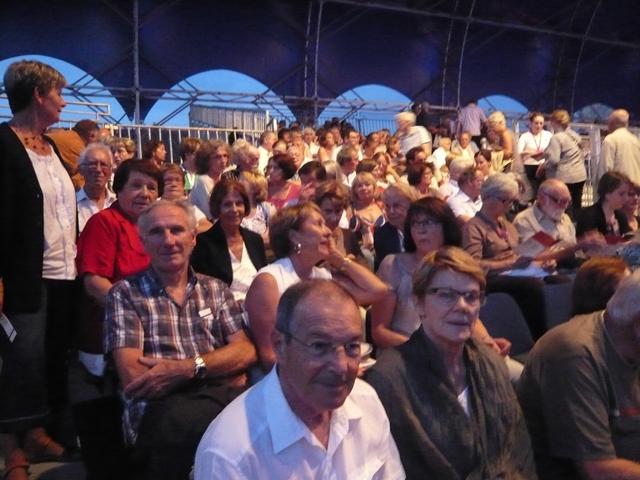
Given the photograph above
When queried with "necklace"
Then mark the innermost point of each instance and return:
(37, 143)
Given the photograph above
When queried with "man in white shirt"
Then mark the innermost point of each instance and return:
(350, 138)
(620, 149)
(467, 202)
(450, 188)
(309, 136)
(348, 161)
(267, 139)
(95, 164)
(411, 135)
(310, 417)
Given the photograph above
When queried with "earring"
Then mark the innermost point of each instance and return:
(297, 249)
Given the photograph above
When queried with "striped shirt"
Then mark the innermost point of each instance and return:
(139, 313)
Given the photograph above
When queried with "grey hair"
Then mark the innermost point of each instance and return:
(188, 209)
(402, 190)
(82, 159)
(623, 308)
(499, 184)
(333, 170)
(294, 299)
(459, 165)
(406, 117)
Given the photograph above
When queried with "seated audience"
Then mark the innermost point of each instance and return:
(580, 393)
(178, 344)
(467, 202)
(154, 151)
(246, 158)
(109, 249)
(439, 156)
(212, 159)
(311, 417)
(228, 251)
(265, 147)
(257, 220)
(384, 173)
(300, 240)
(367, 213)
(630, 208)
(188, 149)
(311, 174)
(596, 282)
(547, 215)
(281, 188)
(173, 188)
(95, 164)
(452, 410)
(419, 176)
(370, 145)
(333, 199)
(491, 239)
(606, 215)
(483, 162)
(327, 144)
(464, 147)
(348, 160)
(451, 187)
(389, 238)
(280, 147)
(429, 225)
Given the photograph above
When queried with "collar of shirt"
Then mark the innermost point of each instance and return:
(286, 428)
(540, 215)
(157, 287)
(109, 197)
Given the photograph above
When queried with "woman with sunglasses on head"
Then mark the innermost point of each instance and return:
(451, 408)
(492, 240)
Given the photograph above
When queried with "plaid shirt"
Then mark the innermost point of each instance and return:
(140, 314)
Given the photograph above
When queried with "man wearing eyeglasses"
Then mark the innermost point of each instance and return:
(96, 166)
(548, 215)
(310, 417)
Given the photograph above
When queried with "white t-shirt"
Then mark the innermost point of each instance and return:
(539, 142)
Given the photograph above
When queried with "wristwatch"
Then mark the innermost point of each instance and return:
(201, 368)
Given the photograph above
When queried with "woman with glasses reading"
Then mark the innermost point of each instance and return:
(493, 241)
(451, 408)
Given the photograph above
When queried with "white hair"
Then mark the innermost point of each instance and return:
(189, 210)
(406, 117)
(499, 184)
(82, 159)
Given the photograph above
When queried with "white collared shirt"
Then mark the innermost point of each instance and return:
(259, 436)
(448, 189)
(87, 207)
(462, 204)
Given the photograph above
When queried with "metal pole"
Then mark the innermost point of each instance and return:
(136, 64)
(315, 73)
(464, 43)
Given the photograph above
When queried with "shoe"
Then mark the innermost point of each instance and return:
(41, 455)
(13, 468)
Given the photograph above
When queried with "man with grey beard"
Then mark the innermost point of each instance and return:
(547, 214)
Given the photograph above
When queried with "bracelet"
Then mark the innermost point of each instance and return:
(345, 263)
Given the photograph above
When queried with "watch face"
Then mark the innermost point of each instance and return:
(201, 368)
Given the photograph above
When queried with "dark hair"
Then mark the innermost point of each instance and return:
(172, 167)
(286, 163)
(436, 209)
(415, 171)
(145, 167)
(314, 167)
(346, 131)
(533, 115)
(221, 190)
(295, 297)
(333, 191)
(595, 284)
(287, 219)
(282, 132)
(411, 154)
(150, 147)
(366, 165)
(23, 78)
(189, 145)
(485, 153)
(85, 127)
(609, 182)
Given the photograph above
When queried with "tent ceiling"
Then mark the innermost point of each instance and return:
(543, 53)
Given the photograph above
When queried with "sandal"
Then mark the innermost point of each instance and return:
(11, 468)
(41, 455)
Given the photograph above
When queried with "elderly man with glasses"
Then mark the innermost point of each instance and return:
(548, 215)
(96, 167)
(310, 417)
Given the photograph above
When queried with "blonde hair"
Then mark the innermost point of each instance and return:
(497, 118)
(361, 178)
(258, 184)
(561, 117)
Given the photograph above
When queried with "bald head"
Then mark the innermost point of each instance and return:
(554, 187)
(618, 119)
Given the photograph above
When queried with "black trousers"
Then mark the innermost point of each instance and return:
(171, 429)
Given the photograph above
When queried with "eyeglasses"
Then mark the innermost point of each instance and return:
(424, 224)
(449, 296)
(557, 201)
(321, 349)
(506, 201)
(396, 206)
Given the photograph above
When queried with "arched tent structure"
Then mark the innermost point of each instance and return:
(542, 53)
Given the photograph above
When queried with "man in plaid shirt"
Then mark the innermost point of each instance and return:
(178, 342)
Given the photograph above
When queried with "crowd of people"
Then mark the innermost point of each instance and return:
(220, 307)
